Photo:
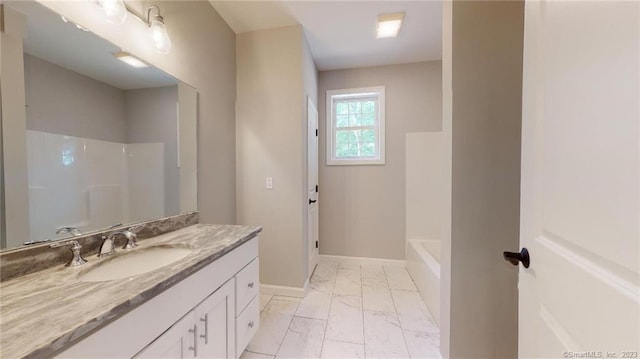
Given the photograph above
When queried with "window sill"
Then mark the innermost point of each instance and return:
(375, 162)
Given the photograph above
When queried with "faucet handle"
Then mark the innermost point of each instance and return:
(129, 235)
(75, 249)
(132, 236)
(135, 229)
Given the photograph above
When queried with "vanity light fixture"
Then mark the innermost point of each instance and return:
(115, 10)
(158, 30)
(389, 25)
(77, 26)
(129, 59)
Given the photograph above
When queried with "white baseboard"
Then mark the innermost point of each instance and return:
(363, 260)
(285, 291)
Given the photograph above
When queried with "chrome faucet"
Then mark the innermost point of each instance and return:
(74, 231)
(108, 246)
(131, 237)
(77, 259)
(109, 242)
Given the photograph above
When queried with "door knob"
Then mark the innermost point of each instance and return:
(312, 201)
(515, 257)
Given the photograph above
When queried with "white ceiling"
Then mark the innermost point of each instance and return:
(51, 39)
(341, 34)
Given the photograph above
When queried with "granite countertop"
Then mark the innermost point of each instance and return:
(45, 312)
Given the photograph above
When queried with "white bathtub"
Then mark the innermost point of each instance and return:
(423, 264)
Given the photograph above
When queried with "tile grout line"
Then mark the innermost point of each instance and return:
(324, 335)
(421, 297)
(404, 338)
(264, 354)
(266, 304)
(288, 327)
(345, 341)
(265, 307)
(362, 297)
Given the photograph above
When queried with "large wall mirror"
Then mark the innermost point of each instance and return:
(92, 136)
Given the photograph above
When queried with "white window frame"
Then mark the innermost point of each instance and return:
(375, 91)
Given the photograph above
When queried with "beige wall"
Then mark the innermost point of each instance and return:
(271, 95)
(151, 116)
(487, 87)
(16, 203)
(65, 102)
(203, 55)
(425, 198)
(362, 208)
(188, 156)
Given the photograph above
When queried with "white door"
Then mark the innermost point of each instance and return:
(179, 342)
(580, 207)
(312, 184)
(215, 321)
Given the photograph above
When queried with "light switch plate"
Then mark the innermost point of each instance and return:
(268, 183)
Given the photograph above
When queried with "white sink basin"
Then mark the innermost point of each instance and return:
(140, 261)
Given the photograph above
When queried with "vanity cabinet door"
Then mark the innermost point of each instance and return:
(176, 342)
(216, 324)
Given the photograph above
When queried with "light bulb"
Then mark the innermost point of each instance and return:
(115, 10)
(160, 36)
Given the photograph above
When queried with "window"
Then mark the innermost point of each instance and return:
(355, 126)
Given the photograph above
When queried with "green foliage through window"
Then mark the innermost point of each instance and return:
(355, 126)
(355, 143)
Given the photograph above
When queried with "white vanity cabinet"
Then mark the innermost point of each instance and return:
(215, 325)
(177, 342)
(205, 332)
(213, 313)
(247, 306)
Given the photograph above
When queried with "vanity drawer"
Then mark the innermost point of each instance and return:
(247, 325)
(247, 285)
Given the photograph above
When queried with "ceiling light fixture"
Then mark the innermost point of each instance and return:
(115, 10)
(130, 59)
(389, 25)
(158, 31)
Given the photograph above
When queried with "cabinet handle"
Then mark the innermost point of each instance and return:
(206, 328)
(251, 324)
(195, 340)
(251, 285)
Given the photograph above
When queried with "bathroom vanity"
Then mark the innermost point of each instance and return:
(202, 305)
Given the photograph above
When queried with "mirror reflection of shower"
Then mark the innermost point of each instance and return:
(105, 184)
(104, 134)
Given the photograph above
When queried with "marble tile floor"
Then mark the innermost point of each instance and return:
(351, 311)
